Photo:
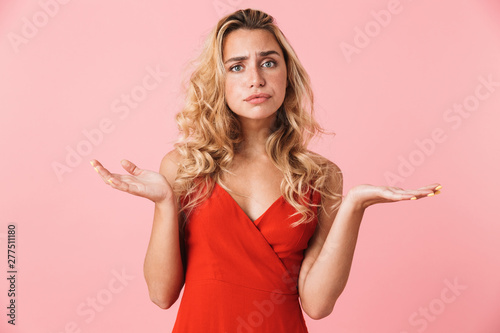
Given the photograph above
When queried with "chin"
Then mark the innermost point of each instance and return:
(256, 111)
(256, 115)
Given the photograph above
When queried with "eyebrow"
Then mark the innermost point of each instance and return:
(262, 54)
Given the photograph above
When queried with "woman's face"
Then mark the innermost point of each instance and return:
(254, 64)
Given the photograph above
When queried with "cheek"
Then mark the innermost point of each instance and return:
(281, 78)
(230, 88)
(227, 89)
(282, 82)
(231, 93)
(285, 78)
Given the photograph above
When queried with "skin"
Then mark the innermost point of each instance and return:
(257, 74)
(255, 182)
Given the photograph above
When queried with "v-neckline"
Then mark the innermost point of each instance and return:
(241, 209)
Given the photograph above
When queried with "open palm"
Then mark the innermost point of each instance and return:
(140, 182)
(366, 195)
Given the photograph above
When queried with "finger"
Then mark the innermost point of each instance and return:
(102, 171)
(120, 183)
(99, 169)
(395, 194)
(115, 182)
(428, 191)
(97, 166)
(94, 164)
(434, 187)
(425, 191)
(130, 167)
(431, 187)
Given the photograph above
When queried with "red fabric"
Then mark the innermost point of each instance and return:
(241, 275)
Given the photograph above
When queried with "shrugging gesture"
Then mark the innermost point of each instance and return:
(366, 195)
(332, 249)
(140, 182)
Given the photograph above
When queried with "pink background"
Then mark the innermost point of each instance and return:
(75, 234)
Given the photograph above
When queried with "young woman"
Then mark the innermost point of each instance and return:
(246, 217)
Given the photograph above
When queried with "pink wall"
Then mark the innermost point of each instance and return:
(430, 265)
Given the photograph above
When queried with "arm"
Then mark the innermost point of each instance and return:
(326, 269)
(328, 258)
(163, 264)
(327, 261)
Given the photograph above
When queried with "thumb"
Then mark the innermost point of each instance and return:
(130, 167)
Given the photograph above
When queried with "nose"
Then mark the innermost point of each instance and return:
(255, 77)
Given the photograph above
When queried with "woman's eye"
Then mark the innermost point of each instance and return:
(232, 68)
(270, 62)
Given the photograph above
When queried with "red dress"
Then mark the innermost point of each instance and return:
(241, 276)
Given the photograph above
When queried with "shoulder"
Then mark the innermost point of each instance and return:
(332, 188)
(333, 171)
(170, 164)
(335, 177)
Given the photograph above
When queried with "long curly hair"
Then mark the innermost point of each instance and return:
(210, 132)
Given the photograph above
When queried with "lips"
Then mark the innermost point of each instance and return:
(249, 98)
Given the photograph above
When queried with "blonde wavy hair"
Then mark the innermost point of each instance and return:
(210, 132)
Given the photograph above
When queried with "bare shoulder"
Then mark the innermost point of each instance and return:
(169, 165)
(335, 177)
(333, 184)
(334, 171)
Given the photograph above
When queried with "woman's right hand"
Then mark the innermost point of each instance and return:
(140, 182)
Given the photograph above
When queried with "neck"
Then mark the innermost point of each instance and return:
(255, 133)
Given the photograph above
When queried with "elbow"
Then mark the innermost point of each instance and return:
(164, 298)
(164, 295)
(162, 305)
(319, 312)
(320, 305)
(317, 315)
(163, 302)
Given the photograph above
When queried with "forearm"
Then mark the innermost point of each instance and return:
(328, 275)
(163, 268)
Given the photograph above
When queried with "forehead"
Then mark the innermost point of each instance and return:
(243, 42)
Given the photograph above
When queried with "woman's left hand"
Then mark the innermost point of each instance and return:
(366, 195)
